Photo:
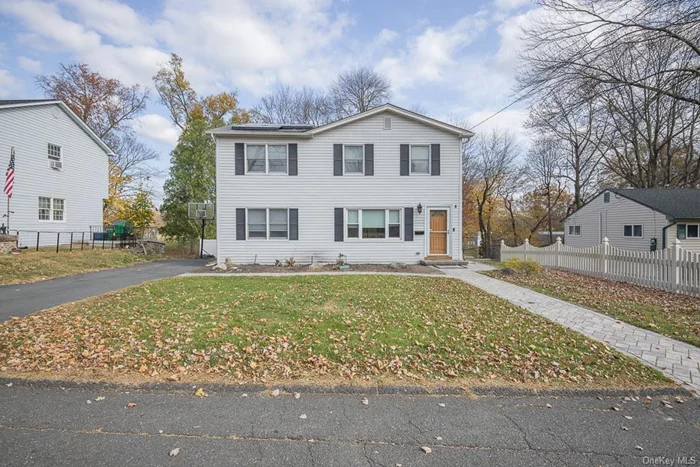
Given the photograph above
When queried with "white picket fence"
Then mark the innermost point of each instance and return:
(672, 269)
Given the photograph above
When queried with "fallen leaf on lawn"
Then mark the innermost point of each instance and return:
(200, 393)
(679, 399)
(174, 452)
(426, 449)
(174, 378)
(647, 400)
(131, 405)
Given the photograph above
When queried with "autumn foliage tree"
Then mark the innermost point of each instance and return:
(193, 161)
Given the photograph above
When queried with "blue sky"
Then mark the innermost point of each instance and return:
(456, 59)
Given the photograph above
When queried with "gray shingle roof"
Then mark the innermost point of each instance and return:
(23, 101)
(271, 127)
(679, 203)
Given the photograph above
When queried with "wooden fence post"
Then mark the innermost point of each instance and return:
(526, 246)
(557, 250)
(675, 258)
(604, 257)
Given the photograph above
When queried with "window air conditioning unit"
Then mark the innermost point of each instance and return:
(56, 165)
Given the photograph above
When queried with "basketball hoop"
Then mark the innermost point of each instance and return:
(201, 212)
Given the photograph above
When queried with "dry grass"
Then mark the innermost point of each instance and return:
(368, 329)
(32, 266)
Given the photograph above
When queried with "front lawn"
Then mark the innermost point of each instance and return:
(673, 315)
(32, 266)
(322, 328)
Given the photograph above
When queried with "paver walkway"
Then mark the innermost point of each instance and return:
(675, 359)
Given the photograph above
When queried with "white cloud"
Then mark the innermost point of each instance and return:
(115, 20)
(427, 57)
(157, 128)
(28, 64)
(505, 5)
(386, 36)
(9, 85)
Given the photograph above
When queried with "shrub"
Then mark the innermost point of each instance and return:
(521, 266)
(291, 262)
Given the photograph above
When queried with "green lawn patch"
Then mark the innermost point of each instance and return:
(32, 266)
(368, 328)
(673, 315)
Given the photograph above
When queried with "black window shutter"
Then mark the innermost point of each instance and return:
(408, 224)
(240, 159)
(240, 223)
(292, 159)
(339, 227)
(294, 224)
(337, 159)
(434, 159)
(369, 159)
(404, 159)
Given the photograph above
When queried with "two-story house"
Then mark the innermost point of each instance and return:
(381, 186)
(61, 171)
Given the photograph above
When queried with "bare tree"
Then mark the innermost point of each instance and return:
(288, 105)
(575, 41)
(131, 161)
(105, 105)
(545, 171)
(578, 128)
(359, 90)
(493, 163)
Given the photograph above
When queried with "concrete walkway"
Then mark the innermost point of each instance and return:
(23, 299)
(675, 359)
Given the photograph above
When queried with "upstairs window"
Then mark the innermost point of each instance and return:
(353, 157)
(266, 158)
(420, 159)
(633, 231)
(54, 152)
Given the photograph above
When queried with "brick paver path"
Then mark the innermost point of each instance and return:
(676, 360)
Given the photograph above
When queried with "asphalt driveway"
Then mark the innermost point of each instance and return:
(54, 426)
(23, 299)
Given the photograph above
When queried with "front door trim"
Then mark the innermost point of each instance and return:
(449, 228)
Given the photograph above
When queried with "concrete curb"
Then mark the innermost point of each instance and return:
(320, 273)
(485, 391)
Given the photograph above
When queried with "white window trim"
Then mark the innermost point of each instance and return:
(267, 159)
(638, 236)
(386, 224)
(363, 160)
(686, 231)
(571, 230)
(267, 225)
(51, 220)
(410, 158)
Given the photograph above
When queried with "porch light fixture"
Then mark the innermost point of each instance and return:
(420, 208)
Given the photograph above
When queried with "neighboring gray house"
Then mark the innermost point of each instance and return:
(378, 187)
(635, 218)
(61, 170)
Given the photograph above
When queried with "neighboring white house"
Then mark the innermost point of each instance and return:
(635, 218)
(378, 187)
(61, 171)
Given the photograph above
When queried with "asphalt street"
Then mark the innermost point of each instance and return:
(23, 299)
(52, 426)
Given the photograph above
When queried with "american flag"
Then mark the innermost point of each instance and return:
(10, 175)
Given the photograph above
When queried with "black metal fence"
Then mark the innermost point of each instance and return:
(68, 240)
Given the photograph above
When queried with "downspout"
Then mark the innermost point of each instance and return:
(663, 233)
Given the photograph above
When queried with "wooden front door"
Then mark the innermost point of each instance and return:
(438, 232)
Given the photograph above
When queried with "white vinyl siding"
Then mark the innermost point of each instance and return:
(316, 192)
(599, 219)
(688, 243)
(82, 184)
